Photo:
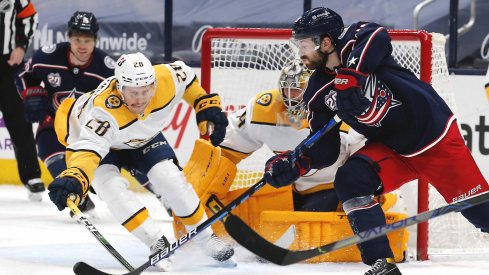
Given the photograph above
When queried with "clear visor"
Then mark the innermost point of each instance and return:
(305, 46)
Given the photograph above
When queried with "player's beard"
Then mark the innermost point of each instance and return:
(323, 59)
(319, 62)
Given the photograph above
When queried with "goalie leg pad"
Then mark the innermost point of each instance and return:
(210, 174)
(112, 188)
(208, 171)
(316, 228)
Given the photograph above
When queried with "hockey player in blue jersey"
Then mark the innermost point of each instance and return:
(411, 131)
(67, 69)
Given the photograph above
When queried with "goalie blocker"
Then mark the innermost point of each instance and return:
(271, 211)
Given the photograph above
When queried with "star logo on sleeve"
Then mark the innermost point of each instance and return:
(352, 61)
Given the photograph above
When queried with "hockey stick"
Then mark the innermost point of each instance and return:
(249, 239)
(82, 268)
(284, 241)
(86, 222)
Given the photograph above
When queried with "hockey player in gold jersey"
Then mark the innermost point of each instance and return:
(119, 124)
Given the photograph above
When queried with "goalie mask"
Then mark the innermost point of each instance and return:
(292, 84)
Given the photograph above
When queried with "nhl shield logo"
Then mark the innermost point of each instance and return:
(54, 79)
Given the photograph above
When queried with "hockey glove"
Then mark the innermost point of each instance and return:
(208, 109)
(61, 187)
(280, 171)
(35, 103)
(350, 100)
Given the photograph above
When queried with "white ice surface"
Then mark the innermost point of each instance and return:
(35, 238)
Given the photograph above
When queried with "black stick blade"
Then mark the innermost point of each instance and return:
(82, 268)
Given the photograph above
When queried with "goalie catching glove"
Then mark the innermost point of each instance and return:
(35, 103)
(208, 109)
(350, 99)
(281, 171)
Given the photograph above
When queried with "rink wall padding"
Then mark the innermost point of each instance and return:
(10, 175)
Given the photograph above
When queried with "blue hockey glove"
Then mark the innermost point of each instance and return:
(36, 103)
(350, 99)
(280, 171)
(61, 187)
(208, 109)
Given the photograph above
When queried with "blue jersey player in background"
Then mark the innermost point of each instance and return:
(411, 132)
(67, 69)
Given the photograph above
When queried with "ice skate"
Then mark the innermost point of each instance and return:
(218, 250)
(384, 267)
(35, 189)
(160, 244)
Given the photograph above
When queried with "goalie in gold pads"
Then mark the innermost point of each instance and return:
(277, 119)
(119, 124)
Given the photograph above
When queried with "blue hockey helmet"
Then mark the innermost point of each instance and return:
(83, 22)
(317, 23)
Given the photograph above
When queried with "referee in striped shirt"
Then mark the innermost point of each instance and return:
(18, 22)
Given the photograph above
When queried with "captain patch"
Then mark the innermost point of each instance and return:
(265, 99)
(113, 102)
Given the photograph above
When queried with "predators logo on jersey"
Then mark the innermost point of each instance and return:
(265, 99)
(113, 102)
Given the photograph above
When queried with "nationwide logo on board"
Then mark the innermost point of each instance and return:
(126, 42)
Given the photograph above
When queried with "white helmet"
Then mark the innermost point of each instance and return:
(134, 70)
(294, 76)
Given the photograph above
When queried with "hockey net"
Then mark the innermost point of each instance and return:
(239, 63)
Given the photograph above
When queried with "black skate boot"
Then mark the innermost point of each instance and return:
(384, 267)
(86, 206)
(35, 189)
